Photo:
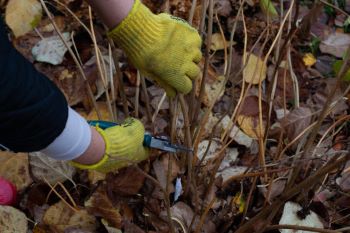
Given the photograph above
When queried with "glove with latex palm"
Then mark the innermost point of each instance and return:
(163, 47)
(124, 146)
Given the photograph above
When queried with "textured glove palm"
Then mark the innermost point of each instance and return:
(162, 47)
(124, 146)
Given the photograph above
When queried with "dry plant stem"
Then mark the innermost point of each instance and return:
(343, 118)
(300, 228)
(119, 75)
(206, 65)
(170, 168)
(294, 190)
(188, 142)
(249, 198)
(158, 108)
(102, 73)
(73, 208)
(137, 94)
(335, 7)
(254, 174)
(88, 87)
(323, 114)
(193, 100)
(111, 76)
(224, 41)
(166, 196)
(145, 92)
(193, 8)
(204, 216)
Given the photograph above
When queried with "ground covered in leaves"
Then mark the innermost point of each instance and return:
(268, 122)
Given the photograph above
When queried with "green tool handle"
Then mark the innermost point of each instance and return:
(106, 124)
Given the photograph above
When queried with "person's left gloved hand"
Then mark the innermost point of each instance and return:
(163, 47)
(124, 146)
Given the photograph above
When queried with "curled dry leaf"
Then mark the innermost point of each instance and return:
(12, 220)
(46, 169)
(250, 126)
(60, 217)
(254, 71)
(51, 50)
(23, 15)
(15, 168)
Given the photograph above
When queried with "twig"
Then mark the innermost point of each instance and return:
(158, 108)
(300, 228)
(137, 94)
(290, 192)
(188, 142)
(145, 92)
(204, 215)
(206, 64)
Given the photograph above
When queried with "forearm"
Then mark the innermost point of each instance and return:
(112, 12)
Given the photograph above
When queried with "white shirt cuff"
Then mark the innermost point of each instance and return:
(73, 141)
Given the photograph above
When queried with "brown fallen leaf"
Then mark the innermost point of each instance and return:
(14, 167)
(160, 167)
(60, 217)
(296, 121)
(12, 220)
(335, 44)
(127, 181)
(99, 205)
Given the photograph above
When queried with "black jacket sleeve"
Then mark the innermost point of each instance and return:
(33, 111)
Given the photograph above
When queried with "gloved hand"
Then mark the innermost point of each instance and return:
(163, 47)
(124, 146)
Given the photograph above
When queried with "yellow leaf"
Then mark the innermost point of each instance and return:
(309, 59)
(218, 42)
(250, 125)
(239, 202)
(23, 15)
(255, 70)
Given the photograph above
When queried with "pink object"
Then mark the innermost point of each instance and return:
(8, 192)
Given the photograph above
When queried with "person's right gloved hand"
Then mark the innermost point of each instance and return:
(124, 146)
(163, 47)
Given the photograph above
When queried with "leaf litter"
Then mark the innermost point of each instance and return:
(249, 137)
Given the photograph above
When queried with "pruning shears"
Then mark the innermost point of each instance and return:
(150, 141)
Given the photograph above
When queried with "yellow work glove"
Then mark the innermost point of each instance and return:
(124, 146)
(162, 47)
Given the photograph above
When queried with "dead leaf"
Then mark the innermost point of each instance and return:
(251, 126)
(15, 168)
(238, 135)
(290, 216)
(255, 70)
(95, 176)
(335, 44)
(12, 220)
(100, 206)
(60, 218)
(160, 167)
(23, 15)
(47, 169)
(296, 121)
(223, 7)
(52, 49)
(276, 189)
(128, 181)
